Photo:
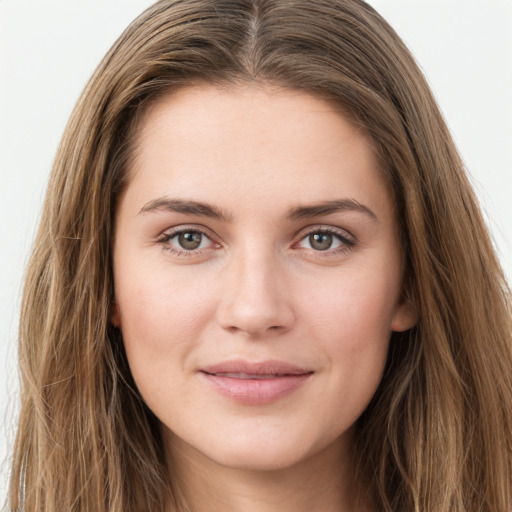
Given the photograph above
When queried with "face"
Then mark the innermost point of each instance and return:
(257, 274)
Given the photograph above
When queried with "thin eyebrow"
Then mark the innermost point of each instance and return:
(328, 207)
(187, 207)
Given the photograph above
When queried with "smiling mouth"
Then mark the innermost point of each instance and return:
(249, 376)
(255, 383)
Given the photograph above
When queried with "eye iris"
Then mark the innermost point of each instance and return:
(320, 241)
(190, 240)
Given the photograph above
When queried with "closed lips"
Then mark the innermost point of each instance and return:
(255, 383)
(239, 369)
(256, 376)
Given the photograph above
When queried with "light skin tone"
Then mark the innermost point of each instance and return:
(256, 227)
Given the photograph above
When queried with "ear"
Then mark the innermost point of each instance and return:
(405, 316)
(115, 317)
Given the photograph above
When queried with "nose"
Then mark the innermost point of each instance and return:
(255, 299)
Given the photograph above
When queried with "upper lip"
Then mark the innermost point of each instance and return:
(269, 367)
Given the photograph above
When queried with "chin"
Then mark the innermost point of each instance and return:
(261, 450)
(258, 459)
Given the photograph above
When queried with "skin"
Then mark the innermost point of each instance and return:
(258, 287)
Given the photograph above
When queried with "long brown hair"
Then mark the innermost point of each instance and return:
(437, 436)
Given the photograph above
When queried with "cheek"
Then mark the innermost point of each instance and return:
(358, 343)
(158, 300)
(161, 322)
(351, 322)
(354, 305)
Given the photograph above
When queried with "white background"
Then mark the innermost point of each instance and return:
(48, 49)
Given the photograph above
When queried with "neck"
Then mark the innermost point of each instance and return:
(322, 482)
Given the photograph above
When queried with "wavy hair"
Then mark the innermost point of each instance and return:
(437, 435)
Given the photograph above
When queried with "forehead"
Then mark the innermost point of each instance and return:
(211, 106)
(209, 140)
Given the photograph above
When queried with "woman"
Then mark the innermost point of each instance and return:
(261, 280)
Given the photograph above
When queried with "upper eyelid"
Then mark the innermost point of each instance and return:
(324, 228)
(171, 231)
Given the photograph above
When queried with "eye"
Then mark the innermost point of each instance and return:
(189, 240)
(186, 241)
(321, 241)
(330, 240)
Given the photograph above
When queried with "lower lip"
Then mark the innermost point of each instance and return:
(256, 391)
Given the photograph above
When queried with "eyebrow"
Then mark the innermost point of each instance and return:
(300, 212)
(185, 206)
(328, 207)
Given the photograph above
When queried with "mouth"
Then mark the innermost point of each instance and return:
(255, 383)
(249, 376)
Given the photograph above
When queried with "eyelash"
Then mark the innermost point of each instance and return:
(165, 238)
(347, 242)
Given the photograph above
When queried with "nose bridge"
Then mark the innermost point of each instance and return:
(254, 293)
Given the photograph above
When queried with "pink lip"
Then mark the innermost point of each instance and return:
(255, 383)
